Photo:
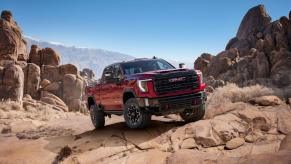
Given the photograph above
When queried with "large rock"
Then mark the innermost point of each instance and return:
(46, 56)
(284, 121)
(289, 29)
(31, 80)
(203, 133)
(188, 143)
(202, 62)
(280, 69)
(234, 143)
(262, 67)
(260, 53)
(51, 99)
(73, 88)
(12, 45)
(87, 73)
(55, 88)
(255, 20)
(11, 84)
(55, 74)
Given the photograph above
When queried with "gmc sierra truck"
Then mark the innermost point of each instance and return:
(141, 88)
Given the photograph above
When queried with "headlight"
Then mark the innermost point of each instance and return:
(200, 77)
(142, 85)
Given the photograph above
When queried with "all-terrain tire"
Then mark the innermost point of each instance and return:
(97, 116)
(135, 116)
(192, 115)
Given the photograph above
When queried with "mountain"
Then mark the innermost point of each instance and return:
(95, 59)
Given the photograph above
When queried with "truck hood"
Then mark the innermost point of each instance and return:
(151, 74)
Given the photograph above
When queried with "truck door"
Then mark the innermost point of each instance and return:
(110, 92)
(117, 88)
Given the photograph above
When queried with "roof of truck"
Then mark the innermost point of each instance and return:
(133, 60)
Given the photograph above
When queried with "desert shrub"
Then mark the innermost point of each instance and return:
(231, 97)
(232, 93)
(10, 105)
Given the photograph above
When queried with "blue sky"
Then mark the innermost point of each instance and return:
(172, 29)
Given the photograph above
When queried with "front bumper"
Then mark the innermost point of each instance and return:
(172, 104)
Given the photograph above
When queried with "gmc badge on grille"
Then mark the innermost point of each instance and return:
(177, 79)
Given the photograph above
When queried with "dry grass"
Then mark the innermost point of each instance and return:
(232, 93)
(231, 97)
(10, 105)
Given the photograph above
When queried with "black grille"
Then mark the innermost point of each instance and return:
(181, 101)
(176, 81)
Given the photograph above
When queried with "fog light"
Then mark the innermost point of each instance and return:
(146, 102)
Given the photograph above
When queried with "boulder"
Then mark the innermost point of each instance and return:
(11, 84)
(54, 74)
(255, 20)
(188, 143)
(55, 88)
(1, 74)
(280, 67)
(34, 57)
(262, 67)
(267, 100)
(72, 91)
(12, 45)
(220, 64)
(72, 87)
(51, 73)
(203, 133)
(286, 143)
(242, 46)
(87, 73)
(31, 80)
(284, 121)
(44, 83)
(202, 62)
(251, 138)
(51, 99)
(255, 118)
(46, 56)
(234, 143)
(225, 131)
(260, 44)
(49, 57)
(289, 29)
(230, 43)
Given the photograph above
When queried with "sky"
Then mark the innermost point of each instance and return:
(172, 29)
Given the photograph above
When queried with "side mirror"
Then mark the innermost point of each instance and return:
(182, 65)
(118, 81)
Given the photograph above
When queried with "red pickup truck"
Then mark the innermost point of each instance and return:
(140, 88)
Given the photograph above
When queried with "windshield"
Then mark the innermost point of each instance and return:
(145, 66)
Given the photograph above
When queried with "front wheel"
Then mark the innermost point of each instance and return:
(97, 116)
(192, 115)
(135, 117)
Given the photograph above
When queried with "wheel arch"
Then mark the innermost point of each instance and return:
(90, 101)
(128, 93)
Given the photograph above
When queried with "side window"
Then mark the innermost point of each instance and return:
(117, 71)
(108, 76)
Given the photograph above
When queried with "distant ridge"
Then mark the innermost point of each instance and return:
(95, 59)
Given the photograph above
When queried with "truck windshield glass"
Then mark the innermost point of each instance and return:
(145, 66)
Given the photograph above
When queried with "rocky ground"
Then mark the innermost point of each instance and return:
(41, 101)
(247, 125)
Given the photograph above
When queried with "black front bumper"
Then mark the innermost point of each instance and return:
(172, 104)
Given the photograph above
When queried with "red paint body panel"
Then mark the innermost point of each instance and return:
(110, 96)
